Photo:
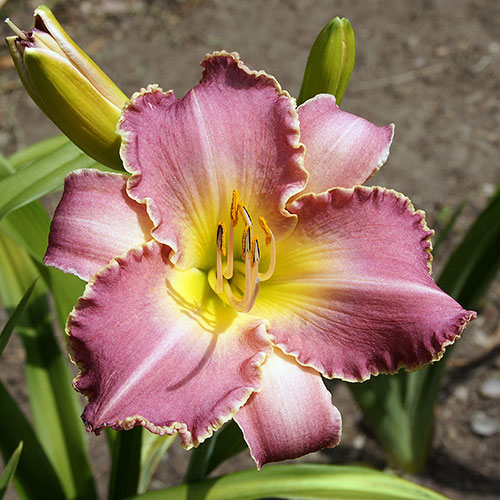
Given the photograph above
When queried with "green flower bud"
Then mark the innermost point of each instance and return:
(330, 62)
(69, 87)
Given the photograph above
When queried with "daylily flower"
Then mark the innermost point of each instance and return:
(235, 266)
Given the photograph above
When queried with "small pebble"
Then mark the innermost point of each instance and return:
(490, 388)
(461, 393)
(483, 425)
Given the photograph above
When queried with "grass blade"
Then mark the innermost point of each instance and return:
(14, 317)
(10, 469)
(35, 477)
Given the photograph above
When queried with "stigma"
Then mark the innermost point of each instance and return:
(250, 254)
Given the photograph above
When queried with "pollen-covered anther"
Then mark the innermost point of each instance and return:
(235, 204)
(243, 299)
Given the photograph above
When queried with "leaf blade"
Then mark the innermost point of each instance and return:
(10, 469)
(299, 481)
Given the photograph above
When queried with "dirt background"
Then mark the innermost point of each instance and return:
(431, 67)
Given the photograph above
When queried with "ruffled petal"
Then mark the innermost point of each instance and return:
(352, 295)
(236, 130)
(293, 414)
(157, 350)
(342, 150)
(95, 221)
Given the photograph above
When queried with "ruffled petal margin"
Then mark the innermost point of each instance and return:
(236, 130)
(342, 150)
(291, 416)
(352, 295)
(94, 222)
(155, 351)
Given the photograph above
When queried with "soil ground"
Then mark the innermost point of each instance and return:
(430, 66)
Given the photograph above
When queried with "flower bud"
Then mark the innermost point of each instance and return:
(69, 87)
(330, 62)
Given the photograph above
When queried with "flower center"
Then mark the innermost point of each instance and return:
(237, 284)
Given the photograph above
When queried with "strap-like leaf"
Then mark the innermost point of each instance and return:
(40, 177)
(223, 445)
(153, 450)
(10, 469)
(299, 481)
(126, 464)
(35, 477)
(14, 317)
(55, 406)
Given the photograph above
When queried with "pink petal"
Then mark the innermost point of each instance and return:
(235, 130)
(155, 354)
(293, 414)
(341, 149)
(353, 295)
(94, 222)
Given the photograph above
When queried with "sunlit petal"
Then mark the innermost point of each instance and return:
(94, 222)
(158, 349)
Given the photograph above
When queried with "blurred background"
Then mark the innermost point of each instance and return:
(432, 67)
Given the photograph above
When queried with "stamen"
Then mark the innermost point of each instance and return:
(251, 303)
(16, 30)
(272, 259)
(221, 249)
(246, 241)
(230, 253)
(255, 251)
(246, 215)
(235, 203)
(265, 228)
(221, 237)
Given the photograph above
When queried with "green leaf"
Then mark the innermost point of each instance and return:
(41, 176)
(444, 233)
(476, 260)
(10, 469)
(14, 317)
(330, 62)
(55, 406)
(223, 445)
(42, 148)
(299, 481)
(126, 464)
(29, 227)
(153, 450)
(35, 476)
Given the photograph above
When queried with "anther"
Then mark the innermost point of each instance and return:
(16, 30)
(265, 228)
(255, 250)
(221, 250)
(221, 237)
(246, 241)
(246, 215)
(235, 203)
